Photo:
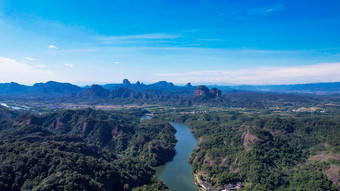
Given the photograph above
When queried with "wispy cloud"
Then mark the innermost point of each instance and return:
(30, 58)
(325, 72)
(12, 70)
(186, 50)
(266, 10)
(69, 65)
(211, 39)
(142, 36)
(128, 39)
(116, 62)
(52, 47)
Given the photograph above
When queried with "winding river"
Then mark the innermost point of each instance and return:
(177, 174)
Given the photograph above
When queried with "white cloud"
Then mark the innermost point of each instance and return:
(325, 72)
(266, 10)
(12, 70)
(29, 58)
(52, 47)
(69, 65)
(116, 62)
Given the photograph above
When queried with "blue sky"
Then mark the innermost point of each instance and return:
(198, 41)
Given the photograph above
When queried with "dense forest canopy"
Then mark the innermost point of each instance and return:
(82, 149)
(267, 152)
(266, 141)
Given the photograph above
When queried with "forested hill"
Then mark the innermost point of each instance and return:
(265, 152)
(82, 150)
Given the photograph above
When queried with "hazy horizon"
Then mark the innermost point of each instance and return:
(83, 84)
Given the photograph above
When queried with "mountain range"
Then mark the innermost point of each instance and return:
(155, 90)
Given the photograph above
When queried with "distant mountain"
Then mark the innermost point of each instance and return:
(13, 88)
(95, 91)
(205, 92)
(48, 89)
(300, 88)
(52, 88)
(126, 84)
(140, 87)
(110, 86)
(161, 89)
(163, 85)
(124, 93)
(214, 92)
(201, 91)
(317, 87)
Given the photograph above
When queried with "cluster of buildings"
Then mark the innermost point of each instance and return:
(193, 112)
(227, 187)
(230, 187)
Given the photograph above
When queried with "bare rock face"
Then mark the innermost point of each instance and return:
(214, 92)
(204, 91)
(115, 132)
(201, 91)
(58, 124)
(87, 126)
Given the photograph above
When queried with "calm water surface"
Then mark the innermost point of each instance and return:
(177, 174)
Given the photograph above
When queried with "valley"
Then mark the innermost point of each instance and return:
(248, 140)
(169, 95)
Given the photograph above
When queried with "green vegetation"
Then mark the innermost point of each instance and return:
(84, 150)
(267, 141)
(267, 152)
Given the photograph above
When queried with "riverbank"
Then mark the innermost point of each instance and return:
(177, 173)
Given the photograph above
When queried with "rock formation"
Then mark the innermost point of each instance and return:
(204, 91)
(126, 82)
(214, 92)
(201, 91)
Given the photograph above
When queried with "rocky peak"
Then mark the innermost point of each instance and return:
(214, 92)
(188, 85)
(201, 91)
(126, 82)
(204, 91)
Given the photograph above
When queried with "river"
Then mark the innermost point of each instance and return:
(177, 174)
